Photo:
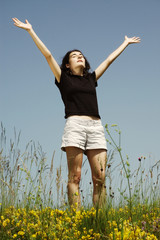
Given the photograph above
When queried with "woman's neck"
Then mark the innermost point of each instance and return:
(78, 72)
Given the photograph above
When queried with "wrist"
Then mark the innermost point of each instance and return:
(126, 43)
(30, 30)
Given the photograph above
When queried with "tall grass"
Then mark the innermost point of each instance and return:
(31, 190)
(142, 186)
(26, 180)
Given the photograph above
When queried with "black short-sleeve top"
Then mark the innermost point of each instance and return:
(79, 94)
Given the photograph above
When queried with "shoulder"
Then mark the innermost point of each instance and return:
(64, 76)
(92, 77)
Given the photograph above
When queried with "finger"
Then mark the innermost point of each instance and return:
(136, 39)
(16, 20)
(16, 24)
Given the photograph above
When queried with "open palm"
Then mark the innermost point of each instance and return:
(18, 23)
(132, 40)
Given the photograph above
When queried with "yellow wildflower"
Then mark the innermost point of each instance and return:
(21, 233)
(33, 235)
(5, 222)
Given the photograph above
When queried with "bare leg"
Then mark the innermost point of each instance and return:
(98, 159)
(74, 159)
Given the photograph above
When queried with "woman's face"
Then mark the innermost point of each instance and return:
(76, 60)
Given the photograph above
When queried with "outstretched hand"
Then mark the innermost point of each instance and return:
(27, 26)
(132, 40)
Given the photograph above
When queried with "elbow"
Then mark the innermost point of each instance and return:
(48, 55)
(109, 60)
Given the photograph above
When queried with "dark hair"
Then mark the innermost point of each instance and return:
(65, 61)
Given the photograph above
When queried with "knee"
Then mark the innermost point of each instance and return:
(75, 178)
(99, 179)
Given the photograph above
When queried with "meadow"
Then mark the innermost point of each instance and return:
(33, 197)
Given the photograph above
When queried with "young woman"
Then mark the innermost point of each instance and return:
(83, 131)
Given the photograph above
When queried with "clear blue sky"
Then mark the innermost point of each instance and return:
(128, 92)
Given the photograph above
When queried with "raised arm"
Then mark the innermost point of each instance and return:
(104, 65)
(44, 50)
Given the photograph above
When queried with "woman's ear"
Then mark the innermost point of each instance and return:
(67, 65)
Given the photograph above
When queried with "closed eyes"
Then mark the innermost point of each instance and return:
(76, 55)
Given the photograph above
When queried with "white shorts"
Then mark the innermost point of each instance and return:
(83, 133)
